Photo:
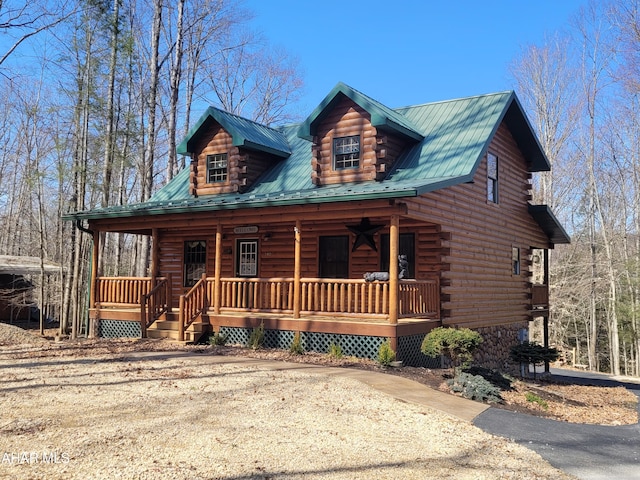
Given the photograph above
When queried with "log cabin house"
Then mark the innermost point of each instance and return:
(278, 226)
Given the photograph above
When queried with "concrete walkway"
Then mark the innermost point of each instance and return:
(589, 452)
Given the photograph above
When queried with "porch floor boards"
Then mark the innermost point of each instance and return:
(279, 321)
(317, 318)
(132, 314)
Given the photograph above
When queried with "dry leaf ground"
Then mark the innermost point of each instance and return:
(92, 409)
(95, 410)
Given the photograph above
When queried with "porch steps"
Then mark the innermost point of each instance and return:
(169, 329)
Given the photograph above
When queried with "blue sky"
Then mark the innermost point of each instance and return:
(404, 52)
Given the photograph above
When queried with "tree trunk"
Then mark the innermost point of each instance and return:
(149, 154)
(176, 76)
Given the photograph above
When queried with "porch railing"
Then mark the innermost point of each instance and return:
(264, 294)
(338, 296)
(154, 304)
(121, 292)
(328, 296)
(419, 298)
(192, 304)
(342, 297)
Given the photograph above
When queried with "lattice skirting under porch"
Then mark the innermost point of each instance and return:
(410, 354)
(359, 346)
(118, 328)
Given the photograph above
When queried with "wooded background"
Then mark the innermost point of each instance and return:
(93, 117)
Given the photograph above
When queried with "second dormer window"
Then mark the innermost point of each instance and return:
(346, 152)
(217, 168)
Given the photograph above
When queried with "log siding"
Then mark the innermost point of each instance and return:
(378, 150)
(243, 166)
(479, 288)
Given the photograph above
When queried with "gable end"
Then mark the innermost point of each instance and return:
(348, 148)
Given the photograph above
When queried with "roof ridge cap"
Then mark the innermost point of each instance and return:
(244, 118)
(456, 99)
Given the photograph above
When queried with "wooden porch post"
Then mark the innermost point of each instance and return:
(296, 269)
(217, 270)
(394, 239)
(181, 320)
(155, 256)
(93, 290)
(545, 320)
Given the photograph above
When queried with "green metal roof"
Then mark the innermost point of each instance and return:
(382, 117)
(457, 136)
(245, 133)
(454, 137)
(543, 215)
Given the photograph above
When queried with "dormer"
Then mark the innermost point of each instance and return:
(228, 153)
(355, 138)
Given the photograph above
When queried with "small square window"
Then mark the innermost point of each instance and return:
(217, 168)
(346, 152)
(515, 257)
(492, 178)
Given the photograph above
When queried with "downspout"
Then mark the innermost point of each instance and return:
(79, 226)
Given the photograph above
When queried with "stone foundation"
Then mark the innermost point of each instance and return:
(494, 350)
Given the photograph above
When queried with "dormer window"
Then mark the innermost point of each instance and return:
(217, 168)
(346, 152)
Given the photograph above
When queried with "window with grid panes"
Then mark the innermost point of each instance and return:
(217, 168)
(346, 152)
(247, 258)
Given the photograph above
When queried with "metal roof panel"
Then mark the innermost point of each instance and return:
(245, 133)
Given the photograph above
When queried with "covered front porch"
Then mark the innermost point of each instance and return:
(279, 280)
(232, 292)
(352, 307)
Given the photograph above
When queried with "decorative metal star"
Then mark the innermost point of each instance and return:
(364, 234)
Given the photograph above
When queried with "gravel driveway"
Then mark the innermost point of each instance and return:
(176, 416)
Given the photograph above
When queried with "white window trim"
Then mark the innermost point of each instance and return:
(348, 153)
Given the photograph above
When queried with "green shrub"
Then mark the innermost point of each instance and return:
(218, 339)
(456, 343)
(496, 378)
(386, 355)
(533, 353)
(532, 397)
(296, 347)
(474, 387)
(335, 351)
(256, 340)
